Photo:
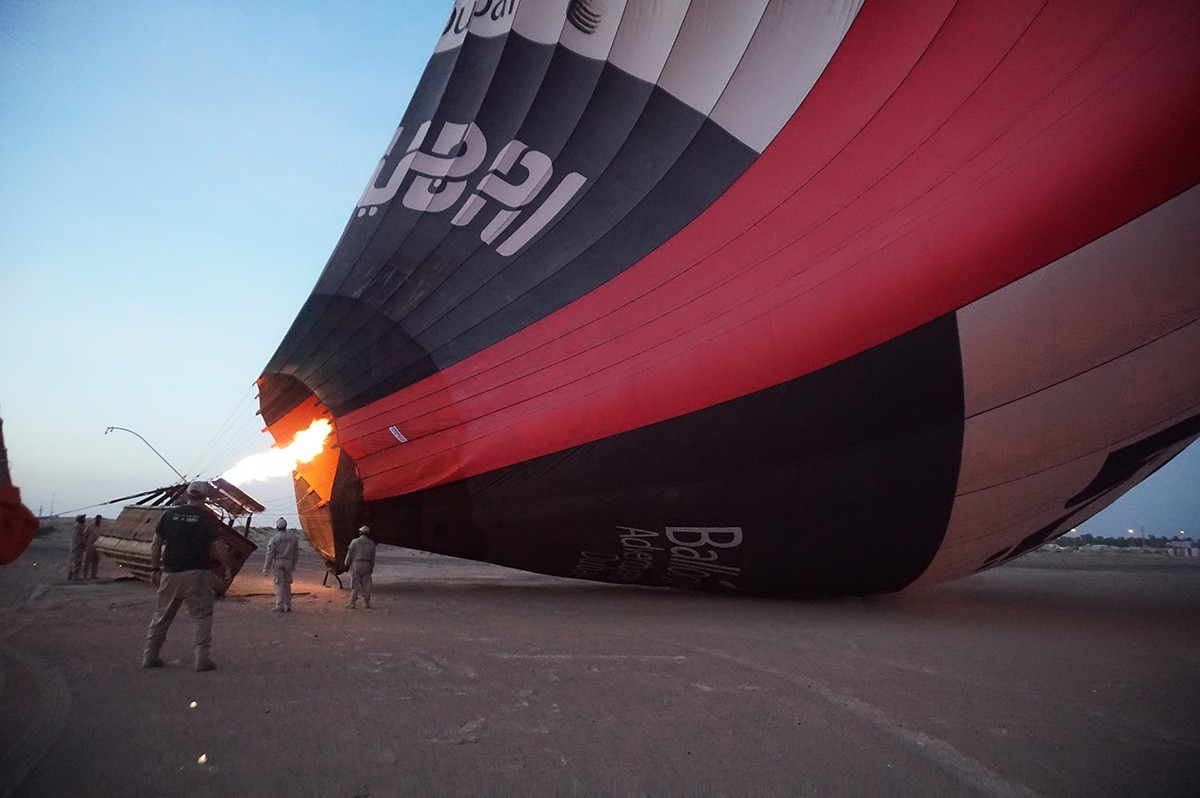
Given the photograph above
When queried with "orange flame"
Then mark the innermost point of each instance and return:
(278, 462)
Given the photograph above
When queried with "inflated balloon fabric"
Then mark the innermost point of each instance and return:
(770, 296)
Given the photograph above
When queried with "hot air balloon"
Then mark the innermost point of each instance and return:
(773, 296)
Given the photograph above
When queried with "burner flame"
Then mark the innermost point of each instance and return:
(280, 461)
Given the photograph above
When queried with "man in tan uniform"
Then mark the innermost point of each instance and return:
(182, 554)
(78, 536)
(360, 559)
(91, 556)
(283, 550)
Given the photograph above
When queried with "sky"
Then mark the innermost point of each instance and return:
(173, 177)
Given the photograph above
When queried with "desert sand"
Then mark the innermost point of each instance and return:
(1061, 674)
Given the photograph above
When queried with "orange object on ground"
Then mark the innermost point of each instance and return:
(17, 525)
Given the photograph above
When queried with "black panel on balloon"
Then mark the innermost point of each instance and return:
(648, 165)
(838, 482)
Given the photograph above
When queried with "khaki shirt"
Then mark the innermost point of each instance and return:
(284, 547)
(361, 552)
(92, 534)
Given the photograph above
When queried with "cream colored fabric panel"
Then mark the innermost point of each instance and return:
(647, 34)
(485, 18)
(592, 27)
(1090, 354)
(993, 521)
(789, 51)
(541, 21)
(1123, 290)
(749, 64)
(456, 28)
(1100, 410)
(1023, 462)
(711, 43)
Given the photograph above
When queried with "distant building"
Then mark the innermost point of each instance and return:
(1182, 548)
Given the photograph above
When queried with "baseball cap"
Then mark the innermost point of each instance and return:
(198, 489)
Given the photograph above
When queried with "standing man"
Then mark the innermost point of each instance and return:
(360, 559)
(78, 538)
(91, 557)
(282, 552)
(182, 554)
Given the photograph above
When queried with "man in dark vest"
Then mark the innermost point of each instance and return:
(182, 554)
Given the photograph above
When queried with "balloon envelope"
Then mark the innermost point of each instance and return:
(770, 296)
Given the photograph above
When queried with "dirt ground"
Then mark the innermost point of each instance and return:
(1063, 675)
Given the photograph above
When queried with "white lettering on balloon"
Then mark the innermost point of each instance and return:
(437, 173)
(463, 13)
(680, 556)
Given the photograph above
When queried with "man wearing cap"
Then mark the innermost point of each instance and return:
(282, 552)
(360, 559)
(78, 540)
(91, 555)
(181, 554)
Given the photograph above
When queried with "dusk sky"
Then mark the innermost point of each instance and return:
(173, 178)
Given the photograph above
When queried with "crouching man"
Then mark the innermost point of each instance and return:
(184, 549)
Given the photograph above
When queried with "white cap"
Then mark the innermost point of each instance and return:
(364, 529)
(198, 490)
(281, 523)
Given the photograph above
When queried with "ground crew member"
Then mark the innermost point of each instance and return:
(78, 538)
(360, 559)
(282, 552)
(91, 557)
(182, 553)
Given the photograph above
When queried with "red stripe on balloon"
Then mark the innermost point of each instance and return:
(939, 158)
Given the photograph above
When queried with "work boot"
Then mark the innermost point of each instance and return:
(277, 608)
(367, 605)
(151, 662)
(206, 665)
(352, 605)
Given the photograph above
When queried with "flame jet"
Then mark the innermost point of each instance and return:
(770, 296)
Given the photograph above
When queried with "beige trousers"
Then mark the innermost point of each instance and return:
(91, 562)
(193, 588)
(360, 583)
(281, 573)
(75, 571)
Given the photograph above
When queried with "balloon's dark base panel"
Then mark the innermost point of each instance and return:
(840, 482)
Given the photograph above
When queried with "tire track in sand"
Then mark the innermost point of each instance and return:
(23, 749)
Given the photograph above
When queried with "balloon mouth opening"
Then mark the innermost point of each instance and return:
(322, 481)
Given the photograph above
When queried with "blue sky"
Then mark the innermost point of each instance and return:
(173, 177)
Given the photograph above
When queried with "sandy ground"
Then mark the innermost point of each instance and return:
(1064, 674)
